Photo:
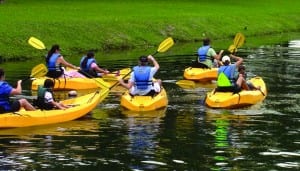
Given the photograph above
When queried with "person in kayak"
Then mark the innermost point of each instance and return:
(227, 81)
(141, 80)
(207, 56)
(7, 90)
(45, 98)
(89, 67)
(55, 62)
(242, 73)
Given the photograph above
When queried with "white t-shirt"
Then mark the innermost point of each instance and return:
(48, 97)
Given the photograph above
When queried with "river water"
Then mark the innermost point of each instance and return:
(184, 136)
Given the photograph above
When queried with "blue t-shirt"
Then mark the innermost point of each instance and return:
(5, 90)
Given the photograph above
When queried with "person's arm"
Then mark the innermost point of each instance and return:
(219, 55)
(59, 105)
(155, 63)
(98, 69)
(64, 62)
(130, 81)
(128, 85)
(238, 60)
(18, 89)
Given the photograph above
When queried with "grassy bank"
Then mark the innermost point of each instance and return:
(126, 24)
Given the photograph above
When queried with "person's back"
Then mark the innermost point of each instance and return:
(46, 99)
(5, 90)
(54, 70)
(206, 54)
(45, 95)
(89, 66)
(141, 80)
(142, 77)
(226, 75)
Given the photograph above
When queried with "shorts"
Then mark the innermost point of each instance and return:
(234, 89)
(54, 74)
(155, 87)
(14, 106)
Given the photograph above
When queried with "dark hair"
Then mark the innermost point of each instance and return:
(226, 63)
(89, 55)
(143, 59)
(241, 67)
(48, 83)
(206, 41)
(51, 51)
(1, 72)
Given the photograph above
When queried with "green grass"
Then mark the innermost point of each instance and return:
(105, 25)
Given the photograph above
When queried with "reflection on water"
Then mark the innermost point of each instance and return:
(185, 136)
(143, 128)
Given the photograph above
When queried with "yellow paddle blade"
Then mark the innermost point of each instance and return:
(186, 84)
(39, 70)
(239, 40)
(232, 49)
(165, 45)
(36, 43)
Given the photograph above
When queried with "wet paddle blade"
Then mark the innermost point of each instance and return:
(186, 84)
(39, 70)
(239, 40)
(165, 45)
(232, 49)
(36, 43)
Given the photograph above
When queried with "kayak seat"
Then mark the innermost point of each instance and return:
(152, 93)
(233, 89)
(196, 64)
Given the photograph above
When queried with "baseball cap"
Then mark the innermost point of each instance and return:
(225, 58)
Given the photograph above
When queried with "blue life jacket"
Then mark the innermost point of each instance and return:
(87, 67)
(142, 75)
(4, 98)
(202, 53)
(52, 62)
(226, 76)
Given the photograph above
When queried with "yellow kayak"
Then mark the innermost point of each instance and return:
(81, 106)
(106, 81)
(237, 100)
(144, 103)
(200, 74)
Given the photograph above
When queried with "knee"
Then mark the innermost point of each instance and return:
(23, 102)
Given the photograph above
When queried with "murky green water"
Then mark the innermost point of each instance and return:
(185, 136)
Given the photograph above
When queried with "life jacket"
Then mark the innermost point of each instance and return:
(225, 76)
(52, 62)
(41, 98)
(142, 75)
(4, 99)
(202, 53)
(88, 65)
